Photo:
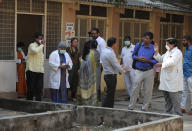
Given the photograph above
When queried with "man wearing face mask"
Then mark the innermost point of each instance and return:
(126, 62)
(171, 79)
(187, 71)
(34, 68)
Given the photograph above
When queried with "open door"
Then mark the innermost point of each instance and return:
(27, 25)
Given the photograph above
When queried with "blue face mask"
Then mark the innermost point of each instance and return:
(19, 49)
(127, 43)
(62, 52)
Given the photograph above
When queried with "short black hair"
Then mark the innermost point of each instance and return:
(37, 34)
(95, 29)
(93, 44)
(150, 34)
(127, 37)
(188, 38)
(74, 38)
(20, 44)
(111, 41)
(172, 41)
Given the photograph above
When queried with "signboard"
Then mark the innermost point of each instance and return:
(69, 33)
(69, 26)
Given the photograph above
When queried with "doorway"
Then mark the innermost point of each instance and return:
(27, 25)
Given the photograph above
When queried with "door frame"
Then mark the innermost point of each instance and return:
(44, 23)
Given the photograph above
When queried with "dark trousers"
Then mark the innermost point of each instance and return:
(35, 85)
(99, 89)
(111, 82)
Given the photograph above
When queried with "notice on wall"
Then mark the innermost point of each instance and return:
(68, 35)
(70, 26)
(69, 32)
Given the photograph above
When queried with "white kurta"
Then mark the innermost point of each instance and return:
(101, 45)
(126, 55)
(171, 78)
(55, 72)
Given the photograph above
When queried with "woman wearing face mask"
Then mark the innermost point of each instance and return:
(21, 85)
(59, 62)
(171, 79)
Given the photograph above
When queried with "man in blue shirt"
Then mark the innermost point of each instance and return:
(144, 62)
(187, 71)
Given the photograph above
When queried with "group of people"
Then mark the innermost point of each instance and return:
(140, 62)
(80, 73)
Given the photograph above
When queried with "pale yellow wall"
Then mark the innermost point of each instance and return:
(120, 82)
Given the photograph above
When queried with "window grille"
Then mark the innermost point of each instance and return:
(31, 6)
(170, 30)
(171, 26)
(23, 5)
(87, 19)
(38, 6)
(133, 28)
(54, 13)
(7, 30)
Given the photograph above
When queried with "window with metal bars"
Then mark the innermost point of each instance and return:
(7, 30)
(171, 26)
(172, 18)
(170, 30)
(87, 19)
(31, 6)
(54, 12)
(128, 14)
(133, 28)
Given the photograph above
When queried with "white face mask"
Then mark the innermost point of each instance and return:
(40, 41)
(167, 47)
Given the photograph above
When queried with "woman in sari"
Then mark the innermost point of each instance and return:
(21, 85)
(98, 66)
(86, 94)
(73, 74)
(59, 62)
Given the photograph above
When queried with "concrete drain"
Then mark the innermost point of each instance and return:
(21, 115)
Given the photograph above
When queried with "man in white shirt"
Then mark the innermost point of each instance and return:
(100, 47)
(101, 42)
(126, 61)
(110, 67)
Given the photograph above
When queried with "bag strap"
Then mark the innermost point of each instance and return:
(138, 48)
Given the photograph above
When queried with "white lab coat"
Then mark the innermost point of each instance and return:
(171, 79)
(55, 72)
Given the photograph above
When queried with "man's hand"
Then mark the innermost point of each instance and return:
(22, 60)
(143, 59)
(127, 69)
(64, 66)
(43, 42)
